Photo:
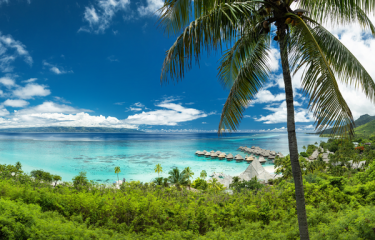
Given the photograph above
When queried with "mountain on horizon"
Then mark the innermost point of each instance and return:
(362, 120)
(69, 130)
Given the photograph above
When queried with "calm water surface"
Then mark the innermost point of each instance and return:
(66, 154)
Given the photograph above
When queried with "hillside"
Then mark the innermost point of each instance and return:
(366, 129)
(362, 120)
(70, 130)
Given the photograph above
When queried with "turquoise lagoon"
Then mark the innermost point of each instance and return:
(67, 154)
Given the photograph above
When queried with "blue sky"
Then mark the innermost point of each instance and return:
(98, 63)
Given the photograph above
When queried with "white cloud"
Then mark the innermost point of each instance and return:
(274, 59)
(138, 104)
(55, 69)
(99, 17)
(51, 107)
(31, 90)
(7, 81)
(15, 103)
(171, 115)
(279, 114)
(53, 114)
(265, 96)
(151, 7)
(135, 109)
(10, 50)
(30, 80)
(61, 99)
(204, 123)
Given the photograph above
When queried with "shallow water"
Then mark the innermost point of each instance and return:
(67, 154)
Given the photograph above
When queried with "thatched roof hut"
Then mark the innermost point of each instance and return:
(255, 169)
(212, 151)
(214, 155)
(204, 151)
(207, 154)
(218, 153)
(249, 159)
(229, 157)
(262, 160)
(197, 152)
(222, 156)
(238, 157)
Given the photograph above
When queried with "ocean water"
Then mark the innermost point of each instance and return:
(67, 154)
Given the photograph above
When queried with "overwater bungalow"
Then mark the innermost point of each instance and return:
(218, 153)
(207, 155)
(240, 148)
(212, 151)
(249, 159)
(204, 151)
(229, 157)
(214, 155)
(262, 160)
(271, 157)
(265, 154)
(197, 152)
(222, 156)
(238, 158)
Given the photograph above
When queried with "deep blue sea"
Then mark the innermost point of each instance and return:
(67, 154)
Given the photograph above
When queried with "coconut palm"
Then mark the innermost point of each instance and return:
(158, 168)
(246, 28)
(177, 178)
(189, 173)
(117, 171)
(203, 174)
(18, 165)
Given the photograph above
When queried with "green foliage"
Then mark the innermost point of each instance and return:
(310, 149)
(253, 184)
(80, 181)
(178, 178)
(200, 184)
(42, 175)
(158, 169)
(203, 174)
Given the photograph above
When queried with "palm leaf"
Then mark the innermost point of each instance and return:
(319, 81)
(340, 11)
(252, 74)
(205, 33)
(345, 65)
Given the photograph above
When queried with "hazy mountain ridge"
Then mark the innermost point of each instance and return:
(70, 130)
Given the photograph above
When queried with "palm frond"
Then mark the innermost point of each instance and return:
(233, 59)
(340, 11)
(319, 81)
(252, 74)
(205, 33)
(345, 65)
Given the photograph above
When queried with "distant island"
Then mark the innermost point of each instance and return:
(69, 130)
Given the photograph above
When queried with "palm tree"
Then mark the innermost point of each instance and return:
(158, 168)
(18, 165)
(203, 174)
(117, 171)
(189, 173)
(246, 28)
(177, 178)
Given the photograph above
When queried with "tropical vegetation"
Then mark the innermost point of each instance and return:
(246, 29)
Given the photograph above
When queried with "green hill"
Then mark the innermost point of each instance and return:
(362, 120)
(366, 129)
(69, 130)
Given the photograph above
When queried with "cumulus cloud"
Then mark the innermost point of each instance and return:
(15, 103)
(10, 50)
(99, 16)
(265, 96)
(7, 81)
(151, 7)
(279, 114)
(171, 115)
(31, 90)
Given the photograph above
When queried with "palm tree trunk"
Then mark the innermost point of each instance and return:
(293, 150)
